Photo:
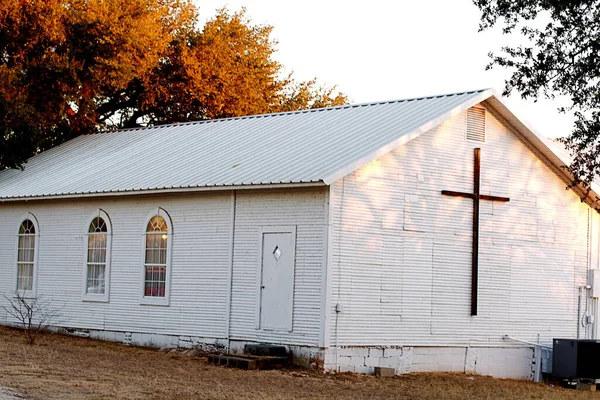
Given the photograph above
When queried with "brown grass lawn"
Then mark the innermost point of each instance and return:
(64, 367)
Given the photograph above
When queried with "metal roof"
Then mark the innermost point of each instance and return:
(296, 147)
(312, 147)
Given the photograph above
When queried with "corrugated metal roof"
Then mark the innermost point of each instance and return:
(313, 146)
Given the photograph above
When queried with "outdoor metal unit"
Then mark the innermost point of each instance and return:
(576, 359)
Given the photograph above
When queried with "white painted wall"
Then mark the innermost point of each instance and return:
(306, 210)
(200, 266)
(401, 266)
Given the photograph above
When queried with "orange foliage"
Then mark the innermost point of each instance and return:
(85, 65)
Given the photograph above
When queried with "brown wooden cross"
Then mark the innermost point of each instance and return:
(476, 196)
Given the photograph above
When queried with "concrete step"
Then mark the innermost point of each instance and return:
(270, 350)
(248, 361)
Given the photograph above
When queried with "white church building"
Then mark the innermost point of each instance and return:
(427, 234)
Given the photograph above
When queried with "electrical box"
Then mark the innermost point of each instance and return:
(594, 282)
(576, 359)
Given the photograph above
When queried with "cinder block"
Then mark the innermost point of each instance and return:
(450, 358)
(384, 372)
(457, 351)
(136, 338)
(357, 361)
(343, 360)
(425, 359)
(364, 370)
(428, 350)
(458, 367)
(372, 361)
(425, 368)
(388, 362)
(376, 353)
(346, 368)
(393, 352)
(356, 351)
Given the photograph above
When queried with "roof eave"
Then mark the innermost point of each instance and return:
(554, 157)
(164, 191)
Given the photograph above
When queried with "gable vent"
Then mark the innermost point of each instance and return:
(476, 124)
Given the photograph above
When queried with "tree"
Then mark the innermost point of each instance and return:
(561, 57)
(33, 314)
(69, 67)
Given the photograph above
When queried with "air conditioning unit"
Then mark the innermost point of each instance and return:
(576, 359)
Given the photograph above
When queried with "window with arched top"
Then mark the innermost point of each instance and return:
(26, 254)
(156, 259)
(97, 265)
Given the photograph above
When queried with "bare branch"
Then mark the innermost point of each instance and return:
(33, 314)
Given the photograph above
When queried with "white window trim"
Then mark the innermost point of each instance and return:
(156, 301)
(95, 297)
(36, 253)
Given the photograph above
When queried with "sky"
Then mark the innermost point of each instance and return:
(379, 50)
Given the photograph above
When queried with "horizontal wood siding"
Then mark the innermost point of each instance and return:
(255, 209)
(402, 252)
(199, 269)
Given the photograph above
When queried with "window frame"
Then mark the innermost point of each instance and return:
(36, 251)
(156, 301)
(96, 297)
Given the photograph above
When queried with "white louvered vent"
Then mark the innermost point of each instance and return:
(476, 124)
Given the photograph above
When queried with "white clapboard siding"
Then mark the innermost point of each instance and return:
(199, 268)
(401, 266)
(304, 209)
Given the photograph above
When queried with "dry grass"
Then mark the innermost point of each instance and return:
(63, 367)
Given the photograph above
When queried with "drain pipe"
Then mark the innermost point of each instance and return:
(579, 312)
(583, 320)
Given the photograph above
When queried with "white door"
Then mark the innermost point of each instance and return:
(277, 278)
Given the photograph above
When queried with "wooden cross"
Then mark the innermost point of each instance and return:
(476, 196)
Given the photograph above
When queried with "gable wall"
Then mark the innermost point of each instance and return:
(200, 265)
(401, 266)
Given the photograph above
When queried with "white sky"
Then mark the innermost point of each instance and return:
(383, 50)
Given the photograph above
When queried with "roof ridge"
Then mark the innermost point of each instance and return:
(307, 111)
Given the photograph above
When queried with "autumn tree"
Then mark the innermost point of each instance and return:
(69, 67)
(560, 57)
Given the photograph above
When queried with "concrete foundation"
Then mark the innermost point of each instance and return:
(499, 362)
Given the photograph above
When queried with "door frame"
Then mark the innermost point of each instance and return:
(275, 229)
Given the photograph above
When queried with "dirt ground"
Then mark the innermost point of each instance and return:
(65, 367)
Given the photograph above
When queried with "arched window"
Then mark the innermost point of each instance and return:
(26, 256)
(97, 266)
(156, 259)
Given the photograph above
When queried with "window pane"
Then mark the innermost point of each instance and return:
(157, 224)
(98, 225)
(96, 256)
(97, 248)
(25, 277)
(100, 240)
(155, 283)
(27, 228)
(156, 257)
(25, 255)
(96, 282)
